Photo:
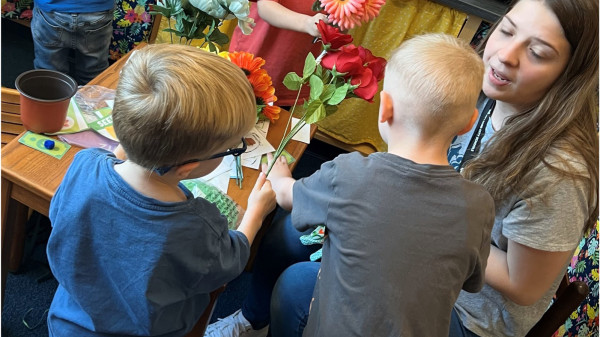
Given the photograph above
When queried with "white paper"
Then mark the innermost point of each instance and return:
(304, 134)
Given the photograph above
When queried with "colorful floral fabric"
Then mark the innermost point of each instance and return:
(584, 267)
(17, 9)
(132, 22)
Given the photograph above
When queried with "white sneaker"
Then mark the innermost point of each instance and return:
(234, 325)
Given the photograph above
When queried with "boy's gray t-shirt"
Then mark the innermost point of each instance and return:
(403, 240)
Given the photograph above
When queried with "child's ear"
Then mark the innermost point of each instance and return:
(386, 107)
(183, 171)
(471, 123)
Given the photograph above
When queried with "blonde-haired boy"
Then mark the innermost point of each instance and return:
(133, 251)
(405, 231)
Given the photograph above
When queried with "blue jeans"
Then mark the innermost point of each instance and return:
(457, 329)
(279, 249)
(56, 35)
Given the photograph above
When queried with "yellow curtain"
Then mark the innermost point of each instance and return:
(165, 37)
(356, 120)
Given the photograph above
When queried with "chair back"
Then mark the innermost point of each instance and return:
(11, 114)
(569, 296)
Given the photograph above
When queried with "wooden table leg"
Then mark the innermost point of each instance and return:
(14, 218)
(6, 186)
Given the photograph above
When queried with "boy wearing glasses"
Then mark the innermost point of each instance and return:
(133, 251)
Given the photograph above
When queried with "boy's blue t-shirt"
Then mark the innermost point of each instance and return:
(128, 264)
(75, 6)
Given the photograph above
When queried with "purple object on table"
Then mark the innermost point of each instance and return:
(89, 138)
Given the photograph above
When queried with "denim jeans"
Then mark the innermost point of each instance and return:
(291, 299)
(457, 329)
(87, 35)
(279, 249)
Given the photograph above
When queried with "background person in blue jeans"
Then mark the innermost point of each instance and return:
(405, 232)
(62, 27)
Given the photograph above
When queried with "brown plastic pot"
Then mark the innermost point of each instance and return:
(45, 97)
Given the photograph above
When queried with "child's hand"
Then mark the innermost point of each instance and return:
(282, 180)
(262, 198)
(280, 168)
(311, 24)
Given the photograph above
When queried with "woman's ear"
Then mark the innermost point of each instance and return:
(471, 123)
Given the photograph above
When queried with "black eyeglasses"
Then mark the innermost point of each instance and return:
(234, 152)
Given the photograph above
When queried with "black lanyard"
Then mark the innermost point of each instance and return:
(478, 134)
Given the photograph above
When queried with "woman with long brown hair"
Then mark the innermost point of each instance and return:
(535, 149)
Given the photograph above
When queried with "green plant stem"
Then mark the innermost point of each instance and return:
(284, 142)
(170, 32)
(286, 139)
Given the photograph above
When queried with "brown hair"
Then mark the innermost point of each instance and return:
(175, 102)
(565, 119)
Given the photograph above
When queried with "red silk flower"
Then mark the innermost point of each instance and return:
(332, 36)
(361, 67)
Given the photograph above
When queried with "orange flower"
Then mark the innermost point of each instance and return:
(260, 80)
(246, 61)
(272, 112)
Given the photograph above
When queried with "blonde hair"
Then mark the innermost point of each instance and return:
(565, 119)
(175, 102)
(440, 74)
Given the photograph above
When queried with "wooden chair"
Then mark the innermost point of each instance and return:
(568, 297)
(202, 323)
(11, 115)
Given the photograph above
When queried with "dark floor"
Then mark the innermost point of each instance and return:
(29, 292)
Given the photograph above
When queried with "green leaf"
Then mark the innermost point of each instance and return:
(292, 81)
(309, 66)
(316, 87)
(212, 47)
(315, 112)
(328, 91)
(166, 12)
(218, 37)
(316, 6)
(339, 95)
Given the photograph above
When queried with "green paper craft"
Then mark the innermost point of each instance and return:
(36, 141)
(228, 208)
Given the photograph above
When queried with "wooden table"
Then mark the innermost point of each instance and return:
(30, 178)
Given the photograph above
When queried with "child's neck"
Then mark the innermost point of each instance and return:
(164, 188)
(419, 151)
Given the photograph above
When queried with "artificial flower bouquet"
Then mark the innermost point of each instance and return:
(201, 19)
(341, 71)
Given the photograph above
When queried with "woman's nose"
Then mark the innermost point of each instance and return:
(509, 54)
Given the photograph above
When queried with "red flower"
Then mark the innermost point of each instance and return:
(346, 60)
(362, 68)
(367, 85)
(332, 36)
